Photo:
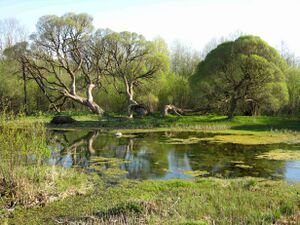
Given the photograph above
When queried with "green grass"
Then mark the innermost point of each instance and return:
(243, 129)
(204, 201)
(209, 122)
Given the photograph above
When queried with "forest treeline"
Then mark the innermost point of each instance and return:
(68, 65)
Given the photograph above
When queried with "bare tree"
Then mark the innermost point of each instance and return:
(133, 60)
(184, 59)
(214, 42)
(64, 58)
(11, 32)
(289, 56)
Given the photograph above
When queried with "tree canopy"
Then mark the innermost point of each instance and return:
(245, 73)
(67, 59)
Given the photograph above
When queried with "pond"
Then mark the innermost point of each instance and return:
(166, 155)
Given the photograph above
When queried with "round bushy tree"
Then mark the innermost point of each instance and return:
(246, 72)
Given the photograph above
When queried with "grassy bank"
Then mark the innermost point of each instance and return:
(204, 201)
(242, 129)
(210, 122)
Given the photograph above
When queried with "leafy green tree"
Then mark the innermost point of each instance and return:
(133, 61)
(293, 84)
(17, 53)
(245, 71)
(10, 88)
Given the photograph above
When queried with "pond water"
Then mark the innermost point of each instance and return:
(166, 155)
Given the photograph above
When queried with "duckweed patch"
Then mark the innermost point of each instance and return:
(243, 166)
(183, 141)
(256, 139)
(98, 162)
(280, 154)
(196, 173)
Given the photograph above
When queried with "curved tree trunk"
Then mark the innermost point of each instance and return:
(88, 101)
(131, 101)
(94, 107)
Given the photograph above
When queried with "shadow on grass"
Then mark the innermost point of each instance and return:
(279, 125)
(154, 120)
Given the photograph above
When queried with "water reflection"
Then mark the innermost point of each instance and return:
(152, 156)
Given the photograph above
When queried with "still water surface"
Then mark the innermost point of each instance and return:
(166, 155)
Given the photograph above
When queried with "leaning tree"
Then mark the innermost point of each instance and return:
(246, 71)
(66, 59)
(133, 60)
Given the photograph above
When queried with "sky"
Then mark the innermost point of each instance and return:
(192, 22)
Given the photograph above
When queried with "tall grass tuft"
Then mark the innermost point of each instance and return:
(25, 178)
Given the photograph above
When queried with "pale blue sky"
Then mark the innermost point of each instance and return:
(193, 22)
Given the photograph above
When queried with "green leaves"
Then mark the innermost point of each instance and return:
(246, 70)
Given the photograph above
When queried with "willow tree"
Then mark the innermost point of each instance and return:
(63, 58)
(246, 71)
(133, 60)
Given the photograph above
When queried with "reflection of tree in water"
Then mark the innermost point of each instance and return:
(150, 156)
(144, 157)
(72, 151)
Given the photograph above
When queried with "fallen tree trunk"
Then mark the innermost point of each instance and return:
(172, 108)
(180, 112)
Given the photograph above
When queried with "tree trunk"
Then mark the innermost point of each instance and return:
(131, 101)
(25, 88)
(232, 108)
(88, 101)
(171, 108)
(94, 107)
